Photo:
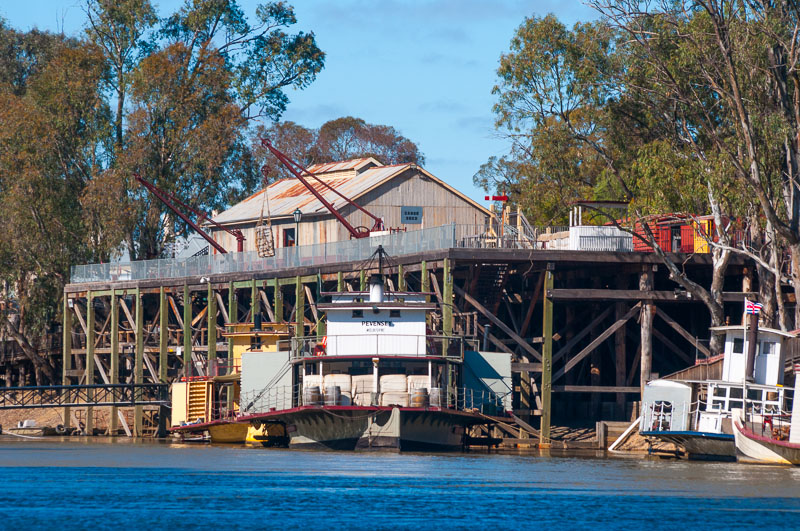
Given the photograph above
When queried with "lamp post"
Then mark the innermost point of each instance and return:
(297, 216)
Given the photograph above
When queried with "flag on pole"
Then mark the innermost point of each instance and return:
(752, 307)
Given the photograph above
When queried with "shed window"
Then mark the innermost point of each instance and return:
(394, 313)
(738, 345)
(767, 348)
(358, 314)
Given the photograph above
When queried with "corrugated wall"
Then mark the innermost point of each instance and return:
(440, 207)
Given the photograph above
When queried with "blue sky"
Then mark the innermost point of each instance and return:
(425, 67)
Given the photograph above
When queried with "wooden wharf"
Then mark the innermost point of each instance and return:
(586, 329)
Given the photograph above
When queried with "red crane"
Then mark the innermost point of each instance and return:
(168, 199)
(298, 170)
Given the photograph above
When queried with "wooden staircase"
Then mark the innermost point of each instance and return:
(199, 396)
(488, 285)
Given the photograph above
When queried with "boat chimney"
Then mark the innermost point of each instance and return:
(752, 343)
(376, 288)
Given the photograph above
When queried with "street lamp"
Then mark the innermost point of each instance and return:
(297, 216)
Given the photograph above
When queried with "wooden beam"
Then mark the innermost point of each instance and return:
(580, 335)
(221, 308)
(267, 305)
(187, 331)
(138, 372)
(497, 322)
(682, 331)
(66, 359)
(536, 292)
(594, 389)
(581, 294)
(597, 342)
(670, 345)
(175, 312)
(547, 360)
(520, 366)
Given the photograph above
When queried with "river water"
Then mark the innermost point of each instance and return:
(103, 485)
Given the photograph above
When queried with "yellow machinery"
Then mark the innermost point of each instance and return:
(195, 400)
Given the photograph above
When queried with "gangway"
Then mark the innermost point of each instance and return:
(120, 395)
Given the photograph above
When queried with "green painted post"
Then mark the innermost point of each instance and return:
(278, 300)
(187, 332)
(425, 286)
(401, 278)
(66, 344)
(299, 308)
(362, 281)
(138, 364)
(90, 338)
(447, 317)
(163, 335)
(426, 280)
(447, 297)
(547, 361)
(233, 316)
(255, 304)
(212, 328)
(320, 327)
(340, 282)
(114, 376)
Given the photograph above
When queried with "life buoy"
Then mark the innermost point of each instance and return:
(322, 346)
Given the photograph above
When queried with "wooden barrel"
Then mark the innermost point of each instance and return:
(419, 398)
(312, 396)
(435, 397)
(333, 395)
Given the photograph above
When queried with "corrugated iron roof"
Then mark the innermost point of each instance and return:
(354, 164)
(286, 195)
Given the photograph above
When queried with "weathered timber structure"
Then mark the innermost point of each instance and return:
(586, 329)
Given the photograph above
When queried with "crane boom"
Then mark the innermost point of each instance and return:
(168, 200)
(297, 170)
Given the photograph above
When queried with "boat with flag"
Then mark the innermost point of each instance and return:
(697, 415)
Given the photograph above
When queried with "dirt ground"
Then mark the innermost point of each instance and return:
(52, 417)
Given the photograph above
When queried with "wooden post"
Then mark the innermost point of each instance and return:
(362, 281)
(114, 376)
(212, 329)
(90, 338)
(163, 335)
(447, 297)
(547, 360)
(67, 356)
(621, 359)
(255, 303)
(425, 286)
(401, 278)
(187, 332)
(233, 317)
(278, 300)
(138, 367)
(299, 308)
(648, 312)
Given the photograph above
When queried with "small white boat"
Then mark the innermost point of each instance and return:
(697, 415)
(769, 438)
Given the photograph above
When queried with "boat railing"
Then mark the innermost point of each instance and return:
(451, 347)
(281, 398)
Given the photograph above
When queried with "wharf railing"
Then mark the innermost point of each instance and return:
(451, 347)
(122, 395)
(488, 236)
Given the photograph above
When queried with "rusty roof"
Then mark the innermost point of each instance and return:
(345, 165)
(287, 195)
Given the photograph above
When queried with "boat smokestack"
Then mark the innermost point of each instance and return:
(752, 343)
(376, 288)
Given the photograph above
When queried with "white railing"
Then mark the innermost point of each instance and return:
(281, 398)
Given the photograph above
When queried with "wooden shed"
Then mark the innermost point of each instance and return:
(406, 196)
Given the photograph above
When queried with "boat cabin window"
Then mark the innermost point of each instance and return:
(358, 314)
(394, 313)
(767, 347)
(738, 345)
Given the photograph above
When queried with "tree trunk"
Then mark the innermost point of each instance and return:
(39, 362)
